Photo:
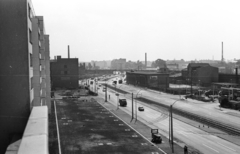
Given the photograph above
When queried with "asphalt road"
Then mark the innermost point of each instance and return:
(192, 136)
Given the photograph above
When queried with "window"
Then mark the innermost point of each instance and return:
(30, 59)
(65, 72)
(30, 15)
(30, 36)
(65, 66)
(31, 82)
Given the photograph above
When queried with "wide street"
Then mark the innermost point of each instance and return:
(192, 136)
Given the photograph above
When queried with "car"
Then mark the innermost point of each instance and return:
(140, 108)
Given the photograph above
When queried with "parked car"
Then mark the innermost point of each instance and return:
(140, 108)
(123, 102)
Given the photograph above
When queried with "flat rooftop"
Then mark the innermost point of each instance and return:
(148, 73)
(85, 126)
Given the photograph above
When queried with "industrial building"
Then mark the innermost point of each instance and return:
(200, 74)
(153, 80)
(22, 48)
(64, 73)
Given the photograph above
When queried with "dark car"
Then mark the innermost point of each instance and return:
(140, 108)
(123, 102)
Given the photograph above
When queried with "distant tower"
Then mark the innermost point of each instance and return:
(68, 52)
(145, 60)
(222, 52)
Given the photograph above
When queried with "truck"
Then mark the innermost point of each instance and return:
(123, 102)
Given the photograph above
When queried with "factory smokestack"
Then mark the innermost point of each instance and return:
(222, 52)
(68, 52)
(146, 60)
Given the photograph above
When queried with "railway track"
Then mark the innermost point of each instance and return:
(204, 120)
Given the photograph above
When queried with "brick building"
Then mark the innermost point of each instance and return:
(201, 74)
(64, 73)
(153, 80)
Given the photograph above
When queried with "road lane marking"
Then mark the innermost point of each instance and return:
(226, 146)
(211, 148)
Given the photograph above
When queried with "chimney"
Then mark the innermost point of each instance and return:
(222, 52)
(236, 73)
(146, 60)
(68, 52)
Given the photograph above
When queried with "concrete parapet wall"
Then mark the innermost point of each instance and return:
(35, 137)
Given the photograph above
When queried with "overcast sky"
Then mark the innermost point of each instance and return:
(166, 29)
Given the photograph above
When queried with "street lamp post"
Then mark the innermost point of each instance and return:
(171, 125)
(106, 92)
(199, 86)
(191, 81)
(135, 106)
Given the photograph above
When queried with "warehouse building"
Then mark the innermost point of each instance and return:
(152, 80)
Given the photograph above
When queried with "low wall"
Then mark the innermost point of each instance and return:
(35, 137)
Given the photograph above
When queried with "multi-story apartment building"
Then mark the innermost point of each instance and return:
(21, 52)
(118, 64)
(64, 73)
(47, 71)
(41, 64)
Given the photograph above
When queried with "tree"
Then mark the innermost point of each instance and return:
(238, 63)
(159, 63)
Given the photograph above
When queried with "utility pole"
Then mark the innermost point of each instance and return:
(106, 93)
(191, 80)
(169, 138)
(132, 108)
(172, 128)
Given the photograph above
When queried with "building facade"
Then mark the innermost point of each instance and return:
(20, 69)
(118, 64)
(153, 80)
(201, 74)
(64, 73)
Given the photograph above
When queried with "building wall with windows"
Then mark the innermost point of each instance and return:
(36, 62)
(64, 73)
(47, 70)
(41, 64)
(16, 69)
(153, 80)
(43, 85)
